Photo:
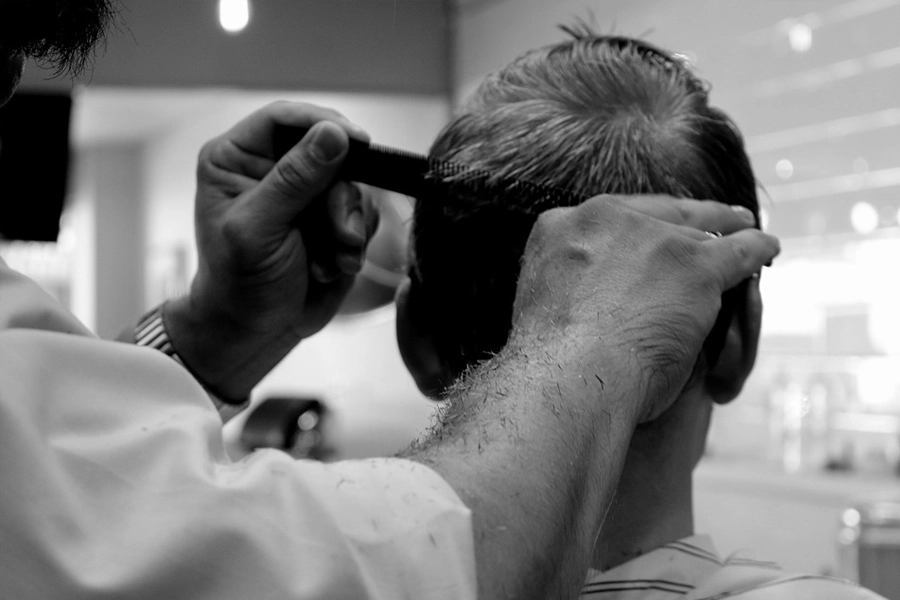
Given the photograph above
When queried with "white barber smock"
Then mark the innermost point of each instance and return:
(114, 483)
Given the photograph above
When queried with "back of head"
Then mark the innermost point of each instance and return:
(595, 115)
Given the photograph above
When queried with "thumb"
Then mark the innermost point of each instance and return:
(303, 173)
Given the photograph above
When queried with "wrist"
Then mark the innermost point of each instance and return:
(225, 358)
(151, 332)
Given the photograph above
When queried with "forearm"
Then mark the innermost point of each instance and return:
(535, 450)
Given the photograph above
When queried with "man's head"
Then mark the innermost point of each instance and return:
(594, 114)
(60, 32)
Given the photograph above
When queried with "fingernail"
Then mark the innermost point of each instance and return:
(322, 274)
(317, 272)
(326, 143)
(358, 130)
(357, 225)
(744, 212)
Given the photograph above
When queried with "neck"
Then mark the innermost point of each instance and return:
(639, 523)
(654, 502)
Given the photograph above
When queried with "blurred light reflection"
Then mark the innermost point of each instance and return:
(800, 37)
(864, 217)
(784, 168)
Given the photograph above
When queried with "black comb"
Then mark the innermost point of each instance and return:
(419, 176)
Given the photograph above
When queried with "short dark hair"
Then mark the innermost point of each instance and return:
(62, 34)
(594, 114)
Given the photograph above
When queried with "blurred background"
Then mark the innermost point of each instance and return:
(814, 85)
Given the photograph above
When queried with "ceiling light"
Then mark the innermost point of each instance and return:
(234, 15)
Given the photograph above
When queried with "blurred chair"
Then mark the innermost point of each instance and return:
(296, 425)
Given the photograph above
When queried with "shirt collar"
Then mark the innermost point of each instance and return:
(665, 573)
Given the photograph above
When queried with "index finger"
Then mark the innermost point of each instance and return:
(255, 133)
(704, 215)
(741, 255)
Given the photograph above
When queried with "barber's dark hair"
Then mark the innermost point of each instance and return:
(594, 114)
(62, 34)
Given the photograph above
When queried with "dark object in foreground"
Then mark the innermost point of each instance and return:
(292, 424)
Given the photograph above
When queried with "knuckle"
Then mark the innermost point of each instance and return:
(286, 106)
(337, 201)
(549, 226)
(685, 215)
(543, 224)
(590, 208)
(575, 252)
(333, 114)
(293, 177)
(206, 157)
(551, 216)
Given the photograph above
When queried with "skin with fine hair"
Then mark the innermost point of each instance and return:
(595, 115)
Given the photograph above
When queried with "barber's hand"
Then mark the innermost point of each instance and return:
(626, 290)
(279, 244)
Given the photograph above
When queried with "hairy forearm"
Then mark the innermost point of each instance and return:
(535, 449)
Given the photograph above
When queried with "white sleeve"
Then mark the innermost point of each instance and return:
(114, 483)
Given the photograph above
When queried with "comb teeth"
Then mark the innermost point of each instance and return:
(381, 149)
(423, 176)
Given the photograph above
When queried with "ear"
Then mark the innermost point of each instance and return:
(416, 342)
(725, 378)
